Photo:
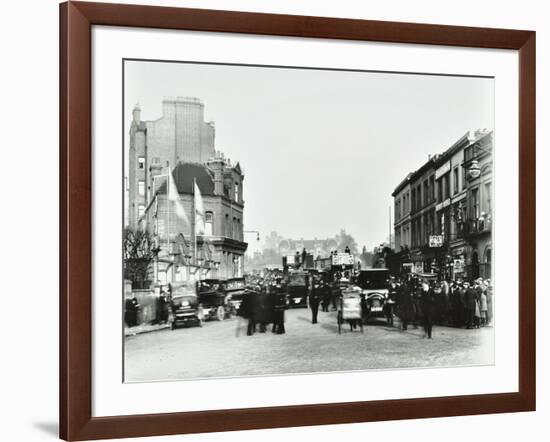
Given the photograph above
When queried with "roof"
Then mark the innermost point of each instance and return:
(185, 173)
(402, 184)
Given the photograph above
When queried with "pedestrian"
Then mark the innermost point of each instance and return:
(347, 250)
(489, 293)
(279, 307)
(325, 296)
(428, 301)
(483, 306)
(405, 305)
(390, 302)
(131, 313)
(470, 305)
(163, 308)
(246, 310)
(314, 299)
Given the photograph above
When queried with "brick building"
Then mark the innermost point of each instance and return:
(181, 143)
(180, 134)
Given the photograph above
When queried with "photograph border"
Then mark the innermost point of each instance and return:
(75, 353)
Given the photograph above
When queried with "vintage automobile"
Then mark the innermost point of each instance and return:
(234, 291)
(374, 290)
(297, 289)
(213, 300)
(185, 306)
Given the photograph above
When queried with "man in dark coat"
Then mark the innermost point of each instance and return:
(405, 304)
(314, 299)
(325, 296)
(246, 310)
(429, 301)
(470, 304)
(279, 307)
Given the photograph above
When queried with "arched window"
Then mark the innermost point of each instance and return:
(234, 235)
(227, 226)
(208, 223)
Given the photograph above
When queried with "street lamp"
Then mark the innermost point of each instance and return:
(474, 171)
(253, 231)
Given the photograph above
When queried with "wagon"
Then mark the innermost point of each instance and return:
(350, 309)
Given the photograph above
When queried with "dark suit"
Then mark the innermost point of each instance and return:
(314, 299)
(279, 307)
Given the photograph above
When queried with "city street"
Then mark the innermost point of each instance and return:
(222, 349)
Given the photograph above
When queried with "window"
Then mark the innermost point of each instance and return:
(141, 188)
(426, 192)
(237, 192)
(455, 177)
(208, 223)
(447, 184)
(432, 188)
(413, 192)
(141, 162)
(234, 228)
(475, 204)
(141, 210)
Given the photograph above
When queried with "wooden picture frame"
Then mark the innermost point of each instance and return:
(76, 21)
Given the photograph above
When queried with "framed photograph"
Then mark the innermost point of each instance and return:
(274, 220)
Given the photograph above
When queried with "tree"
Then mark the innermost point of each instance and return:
(139, 252)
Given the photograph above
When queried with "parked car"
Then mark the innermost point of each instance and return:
(185, 306)
(213, 300)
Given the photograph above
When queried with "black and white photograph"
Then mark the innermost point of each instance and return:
(282, 220)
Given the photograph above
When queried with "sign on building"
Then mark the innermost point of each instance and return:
(436, 241)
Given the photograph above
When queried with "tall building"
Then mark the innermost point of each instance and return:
(181, 144)
(179, 135)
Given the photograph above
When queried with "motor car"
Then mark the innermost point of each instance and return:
(297, 289)
(374, 290)
(234, 291)
(185, 306)
(213, 300)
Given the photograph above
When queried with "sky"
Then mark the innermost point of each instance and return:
(321, 150)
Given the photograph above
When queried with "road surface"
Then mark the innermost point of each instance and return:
(222, 349)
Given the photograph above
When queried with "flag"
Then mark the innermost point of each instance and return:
(199, 211)
(173, 195)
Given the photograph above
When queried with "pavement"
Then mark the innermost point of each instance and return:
(144, 328)
(222, 349)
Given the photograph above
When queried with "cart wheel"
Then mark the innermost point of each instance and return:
(220, 313)
(340, 322)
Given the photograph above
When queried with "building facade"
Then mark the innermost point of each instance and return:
(181, 144)
(450, 212)
(478, 219)
(423, 221)
(179, 135)
(402, 224)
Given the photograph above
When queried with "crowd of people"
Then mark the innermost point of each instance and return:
(415, 300)
(457, 303)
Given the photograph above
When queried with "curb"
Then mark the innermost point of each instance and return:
(134, 332)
